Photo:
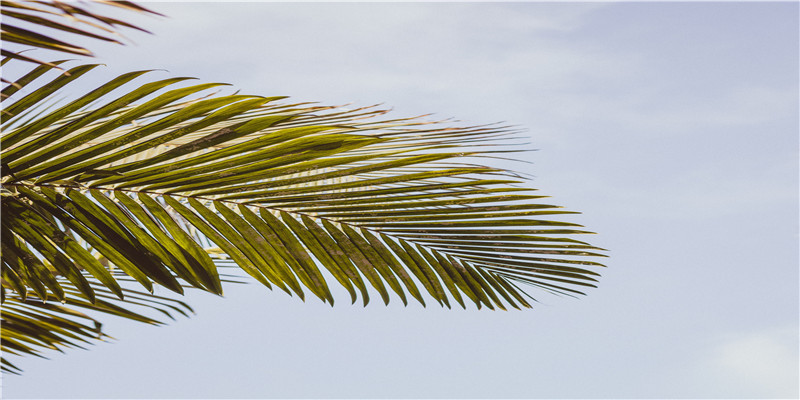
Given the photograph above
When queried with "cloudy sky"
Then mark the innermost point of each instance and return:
(672, 127)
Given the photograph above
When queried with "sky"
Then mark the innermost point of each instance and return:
(673, 128)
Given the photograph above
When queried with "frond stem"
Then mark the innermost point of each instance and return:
(78, 186)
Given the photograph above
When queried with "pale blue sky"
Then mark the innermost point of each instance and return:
(672, 127)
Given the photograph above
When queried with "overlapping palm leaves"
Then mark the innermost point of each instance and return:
(155, 180)
(25, 23)
(33, 324)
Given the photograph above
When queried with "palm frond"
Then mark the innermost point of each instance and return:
(30, 23)
(164, 182)
(31, 325)
(290, 192)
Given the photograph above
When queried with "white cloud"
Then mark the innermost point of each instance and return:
(759, 364)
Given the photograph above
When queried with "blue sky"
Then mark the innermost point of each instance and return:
(673, 128)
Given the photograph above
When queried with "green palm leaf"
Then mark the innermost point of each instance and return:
(282, 189)
(31, 325)
(160, 181)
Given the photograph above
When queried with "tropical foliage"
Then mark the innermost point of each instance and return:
(164, 182)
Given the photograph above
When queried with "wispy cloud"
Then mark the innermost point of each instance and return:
(756, 364)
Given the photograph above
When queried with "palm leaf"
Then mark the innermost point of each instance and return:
(162, 182)
(44, 323)
(37, 24)
(282, 189)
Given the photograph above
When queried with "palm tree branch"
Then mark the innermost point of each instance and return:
(356, 196)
